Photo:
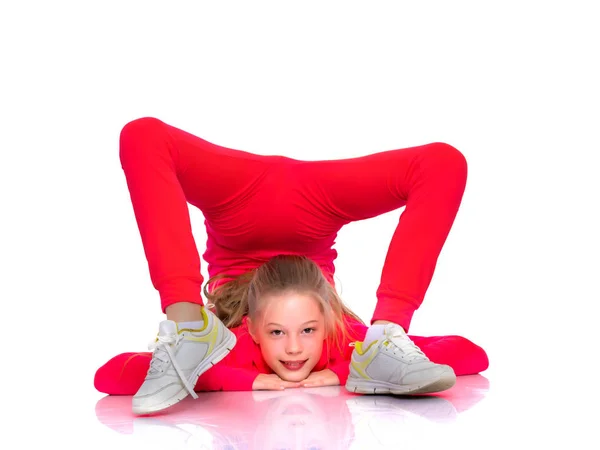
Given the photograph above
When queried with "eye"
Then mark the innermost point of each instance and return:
(309, 330)
(276, 332)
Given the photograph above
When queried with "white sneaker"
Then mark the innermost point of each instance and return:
(395, 365)
(179, 358)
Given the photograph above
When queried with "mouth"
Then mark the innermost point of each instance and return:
(293, 365)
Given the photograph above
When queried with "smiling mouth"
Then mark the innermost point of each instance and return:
(293, 365)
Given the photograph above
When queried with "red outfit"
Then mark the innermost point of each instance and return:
(125, 373)
(257, 207)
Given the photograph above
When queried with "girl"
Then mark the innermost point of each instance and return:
(257, 207)
(290, 324)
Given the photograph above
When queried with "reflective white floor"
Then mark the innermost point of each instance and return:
(475, 413)
(318, 418)
(525, 400)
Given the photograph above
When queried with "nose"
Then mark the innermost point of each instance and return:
(293, 346)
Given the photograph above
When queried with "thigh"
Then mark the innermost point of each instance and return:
(215, 178)
(165, 159)
(363, 187)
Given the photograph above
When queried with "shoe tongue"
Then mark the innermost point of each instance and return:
(167, 327)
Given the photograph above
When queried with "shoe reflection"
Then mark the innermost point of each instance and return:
(309, 418)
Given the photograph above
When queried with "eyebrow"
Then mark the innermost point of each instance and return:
(281, 326)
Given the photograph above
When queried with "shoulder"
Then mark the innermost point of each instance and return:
(356, 329)
(353, 330)
(245, 350)
(241, 331)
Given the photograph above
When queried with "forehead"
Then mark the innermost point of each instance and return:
(291, 309)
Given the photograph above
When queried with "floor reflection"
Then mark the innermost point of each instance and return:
(316, 418)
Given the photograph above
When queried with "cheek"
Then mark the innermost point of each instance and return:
(270, 349)
(316, 346)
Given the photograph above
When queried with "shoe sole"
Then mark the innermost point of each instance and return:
(218, 354)
(361, 386)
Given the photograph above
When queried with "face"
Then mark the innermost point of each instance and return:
(290, 332)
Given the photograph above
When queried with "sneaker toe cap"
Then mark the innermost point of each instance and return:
(432, 372)
(153, 394)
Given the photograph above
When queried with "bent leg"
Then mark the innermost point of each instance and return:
(165, 169)
(429, 180)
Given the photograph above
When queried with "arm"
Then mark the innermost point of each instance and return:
(341, 366)
(339, 362)
(464, 356)
(336, 372)
(222, 377)
(125, 373)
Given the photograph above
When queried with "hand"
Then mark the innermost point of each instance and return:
(272, 382)
(325, 377)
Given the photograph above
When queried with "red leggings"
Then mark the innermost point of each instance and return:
(256, 207)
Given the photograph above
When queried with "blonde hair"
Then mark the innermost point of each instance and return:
(246, 294)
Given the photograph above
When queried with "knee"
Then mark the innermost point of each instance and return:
(449, 154)
(135, 130)
(137, 126)
(448, 158)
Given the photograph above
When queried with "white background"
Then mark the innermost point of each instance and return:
(514, 86)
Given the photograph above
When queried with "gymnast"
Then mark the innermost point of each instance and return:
(274, 319)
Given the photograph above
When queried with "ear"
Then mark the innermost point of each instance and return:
(252, 330)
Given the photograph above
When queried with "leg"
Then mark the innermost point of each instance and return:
(429, 180)
(166, 168)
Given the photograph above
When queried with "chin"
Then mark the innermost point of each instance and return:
(289, 375)
(294, 376)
